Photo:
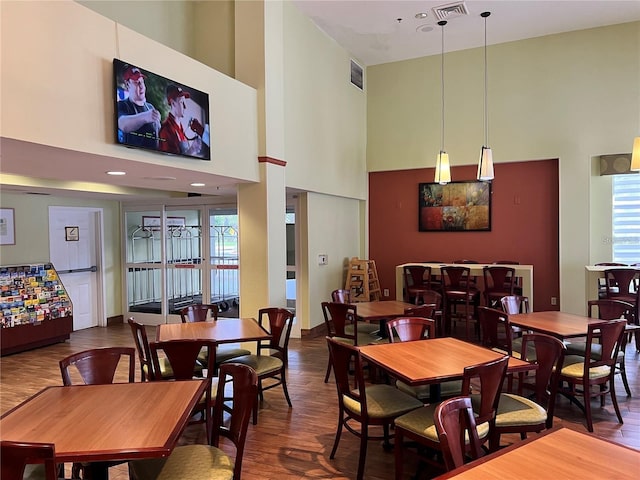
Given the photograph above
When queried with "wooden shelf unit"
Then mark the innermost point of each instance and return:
(362, 280)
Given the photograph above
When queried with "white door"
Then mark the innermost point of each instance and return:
(74, 249)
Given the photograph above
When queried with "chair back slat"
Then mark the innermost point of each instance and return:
(456, 426)
(199, 312)
(98, 366)
(514, 304)
(490, 376)
(341, 296)
(495, 329)
(408, 329)
(337, 316)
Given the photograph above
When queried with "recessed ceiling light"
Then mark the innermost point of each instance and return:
(421, 15)
(116, 172)
(197, 184)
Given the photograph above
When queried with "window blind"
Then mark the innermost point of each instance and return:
(626, 218)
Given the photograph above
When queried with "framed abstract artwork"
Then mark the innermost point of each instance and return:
(454, 207)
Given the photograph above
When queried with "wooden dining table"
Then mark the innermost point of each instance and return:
(226, 330)
(433, 361)
(101, 423)
(556, 453)
(381, 311)
(557, 324)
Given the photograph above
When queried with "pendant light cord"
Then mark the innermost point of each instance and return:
(486, 82)
(442, 23)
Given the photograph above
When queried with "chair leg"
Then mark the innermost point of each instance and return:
(283, 380)
(614, 400)
(364, 437)
(587, 405)
(326, 376)
(338, 433)
(623, 374)
(398, 454)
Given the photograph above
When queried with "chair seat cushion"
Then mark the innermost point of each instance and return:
(262, 364)
(420, 422)
(189, 462)
(574, 367)
(226, 352)
(363, 327)
(383, 401)
(423, 392)
(516, 410)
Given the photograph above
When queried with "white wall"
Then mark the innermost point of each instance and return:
(325, 123)
(57, 87)
(328, 225)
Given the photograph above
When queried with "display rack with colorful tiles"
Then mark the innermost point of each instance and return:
(35, 309)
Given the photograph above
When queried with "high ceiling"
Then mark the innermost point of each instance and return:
(383, 31)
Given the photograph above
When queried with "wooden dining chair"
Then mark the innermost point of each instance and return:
(499, 281)
(418, 426)
(183, 355)
(431, 298)
(608, 310)
(344, 296)
(622, 284)
(141, 341)
(457, 432)
(514, 304)
(582, 373)
(271, 359)
(23, 460)
(367, 405)
(97, 366)
(340, 322)
(459, 291)
(417, 279)
(201, 312)
(200, 462)
(522, 414)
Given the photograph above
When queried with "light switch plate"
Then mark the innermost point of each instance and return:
(323, 259)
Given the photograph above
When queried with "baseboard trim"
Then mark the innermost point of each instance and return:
(317, 331)
(115, 320)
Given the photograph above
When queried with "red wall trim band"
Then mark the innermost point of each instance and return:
(274, 161)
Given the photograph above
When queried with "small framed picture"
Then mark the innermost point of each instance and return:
(71, 234)
(7, 227)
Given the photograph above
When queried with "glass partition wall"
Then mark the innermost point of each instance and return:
(176, 256)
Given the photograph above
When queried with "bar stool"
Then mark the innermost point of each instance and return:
(458, 291)
(417, 280)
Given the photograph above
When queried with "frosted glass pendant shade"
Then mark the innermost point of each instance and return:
(443, 172)
(485, 165)
(635, 155)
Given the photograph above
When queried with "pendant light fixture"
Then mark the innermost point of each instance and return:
(443, 172)
(485, 164)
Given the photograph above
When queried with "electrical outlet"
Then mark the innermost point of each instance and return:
(385, 292)
(554, 301)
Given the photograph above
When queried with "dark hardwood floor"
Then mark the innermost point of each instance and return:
(295, 443)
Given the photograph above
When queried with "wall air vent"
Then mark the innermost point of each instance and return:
(450, 10)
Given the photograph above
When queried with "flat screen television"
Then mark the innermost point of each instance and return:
(155, 113)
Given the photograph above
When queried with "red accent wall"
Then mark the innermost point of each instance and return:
(524, 224)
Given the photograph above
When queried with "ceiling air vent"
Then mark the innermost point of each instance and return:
(450, 10)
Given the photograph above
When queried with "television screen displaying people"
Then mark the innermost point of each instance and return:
(155, 113)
